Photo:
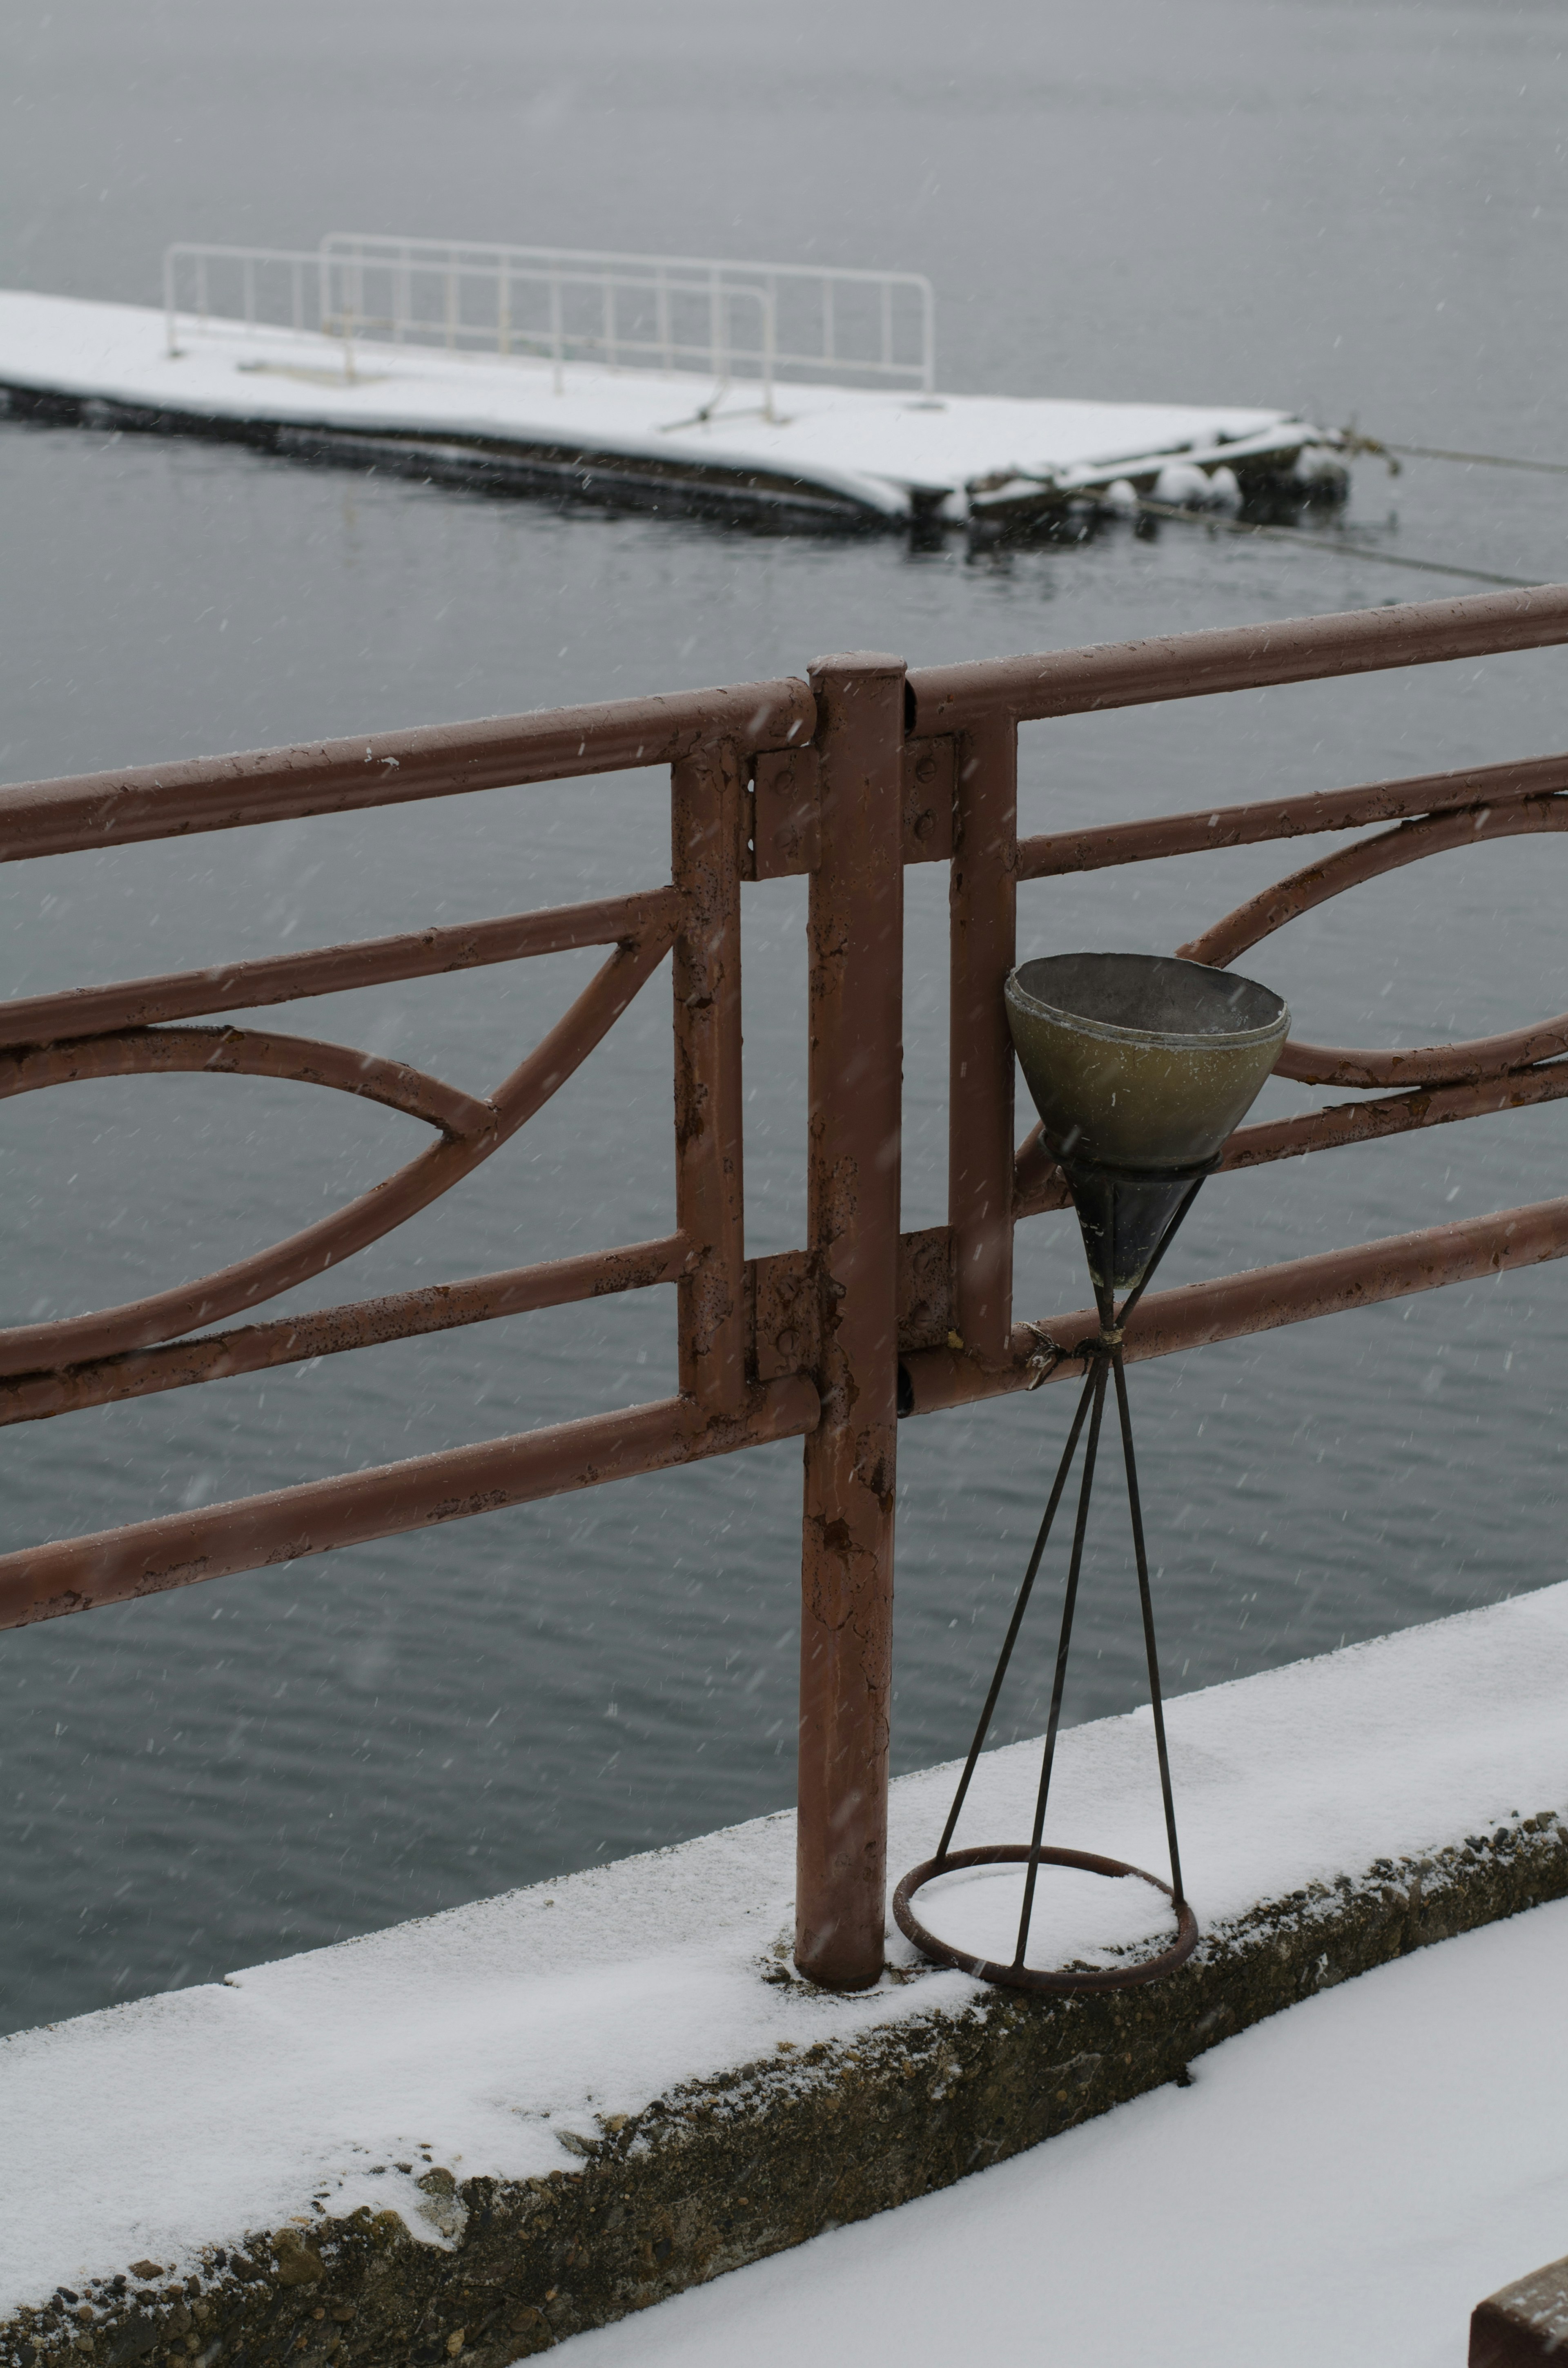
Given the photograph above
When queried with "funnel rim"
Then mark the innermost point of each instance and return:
(1166, 1039)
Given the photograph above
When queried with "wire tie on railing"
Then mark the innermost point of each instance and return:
(1048, 1355)
(1049, 1352)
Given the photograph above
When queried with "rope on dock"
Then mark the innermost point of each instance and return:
(1325, 543)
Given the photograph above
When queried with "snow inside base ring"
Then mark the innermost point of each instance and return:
(1027, 1977)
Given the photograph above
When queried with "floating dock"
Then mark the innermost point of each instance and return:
(729, 421)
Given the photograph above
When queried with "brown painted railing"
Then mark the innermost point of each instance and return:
(848, 777)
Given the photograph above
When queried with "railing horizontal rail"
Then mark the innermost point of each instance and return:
(1342, 1124)
(334, 970)
(1055, 852)
(388, 769)
(518, 276)
(1235, 658)
(1040, 1185)
(353, 1508)
(1266, 1298)
(341, 245)
(331, 1331)
(287, 1525)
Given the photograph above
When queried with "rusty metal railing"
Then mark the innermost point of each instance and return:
(848, 778)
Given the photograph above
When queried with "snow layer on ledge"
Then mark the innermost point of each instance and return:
(868, 447)
(481, 2038)
(1342, 2183)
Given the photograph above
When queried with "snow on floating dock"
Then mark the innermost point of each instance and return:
(502, 2040)
(802, 453)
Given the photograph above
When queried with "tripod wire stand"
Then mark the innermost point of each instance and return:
(1106, 1364)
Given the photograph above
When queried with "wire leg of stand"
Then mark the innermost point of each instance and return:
(1069, 1603)
(1018, 1610)
(1167, 1238)
(1155, 1698)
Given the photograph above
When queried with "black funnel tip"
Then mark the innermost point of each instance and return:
(1127, 1215)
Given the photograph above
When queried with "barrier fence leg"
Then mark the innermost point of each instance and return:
(855, 1097)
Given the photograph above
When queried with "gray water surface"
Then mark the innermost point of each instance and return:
(1356, 210)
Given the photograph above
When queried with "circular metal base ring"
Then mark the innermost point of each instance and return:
(1025, 1978)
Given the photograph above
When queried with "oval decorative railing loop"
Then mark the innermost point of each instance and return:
(1470, 1063)
(472, 1130)
(242, 1052)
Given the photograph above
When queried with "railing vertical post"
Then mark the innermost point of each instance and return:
(856, 934)
(982, 919)
(710, 1207)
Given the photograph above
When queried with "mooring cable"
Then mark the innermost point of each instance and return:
(1185, 517)
(1353, 442)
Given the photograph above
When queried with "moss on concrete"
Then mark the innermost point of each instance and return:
(730, 2169)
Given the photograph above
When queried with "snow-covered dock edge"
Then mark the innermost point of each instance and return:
(864, 2104)
(570, 472)
(1304, 474)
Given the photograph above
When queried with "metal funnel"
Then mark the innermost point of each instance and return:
(1140, 1066)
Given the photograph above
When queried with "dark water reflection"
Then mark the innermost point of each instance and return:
(1341, 208)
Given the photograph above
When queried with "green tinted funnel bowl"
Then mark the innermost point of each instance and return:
(1140, 1066)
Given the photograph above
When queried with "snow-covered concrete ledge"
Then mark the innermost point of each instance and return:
(479, 2133)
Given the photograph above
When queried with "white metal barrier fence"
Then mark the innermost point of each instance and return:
(273, 287)
(670, 312)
